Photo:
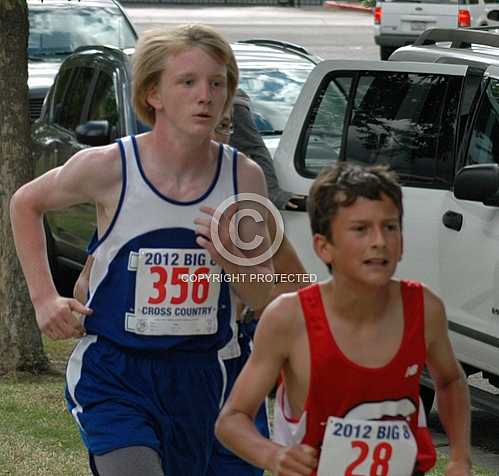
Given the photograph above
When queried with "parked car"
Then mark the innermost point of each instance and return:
(400, 22)
(89, 104)
(432, 114)
(58, 27)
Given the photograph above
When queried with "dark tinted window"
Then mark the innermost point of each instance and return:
(60, 88)
(323, 136)
(405, 120)
(484, 144)
(68, 113)
(104, 104)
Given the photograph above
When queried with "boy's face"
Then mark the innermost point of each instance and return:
(366, 242)
(191, 93)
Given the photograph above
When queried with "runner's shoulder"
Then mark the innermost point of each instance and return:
(91, 163)
(282, 317)
(248, 170)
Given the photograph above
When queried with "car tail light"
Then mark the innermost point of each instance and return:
(463, 18)
(377, 15)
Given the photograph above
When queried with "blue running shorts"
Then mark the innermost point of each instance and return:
(167, 401)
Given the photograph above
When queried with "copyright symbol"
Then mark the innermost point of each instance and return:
(235, 238)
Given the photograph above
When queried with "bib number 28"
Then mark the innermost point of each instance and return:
(380, 459)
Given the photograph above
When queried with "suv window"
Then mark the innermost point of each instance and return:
(70, 108)
(404, 119)
(322, 144)
(61, 85)
(104, 104)
(484, 142)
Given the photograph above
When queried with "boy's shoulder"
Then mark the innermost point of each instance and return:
(432, 301)
(97, 157)
(283, 315)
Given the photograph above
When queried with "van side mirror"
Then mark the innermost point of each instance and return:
(478, 183)
(93, 133)
(493, 15)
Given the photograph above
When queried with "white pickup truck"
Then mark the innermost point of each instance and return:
(437, 125)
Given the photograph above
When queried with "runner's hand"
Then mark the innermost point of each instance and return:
(223, 228)
(298, 460)
(56, 320)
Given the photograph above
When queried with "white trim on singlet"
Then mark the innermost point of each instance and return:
(73, 372)
(286, 430)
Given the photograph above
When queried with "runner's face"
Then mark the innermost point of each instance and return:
(191, 94)
(367, 241)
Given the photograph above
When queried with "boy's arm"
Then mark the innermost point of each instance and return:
(241, 256)
(235, 426)
(451, 386)
(248, 140)
(64, 186)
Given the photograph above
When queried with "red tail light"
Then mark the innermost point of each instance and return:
(377, 15)
(463, 18)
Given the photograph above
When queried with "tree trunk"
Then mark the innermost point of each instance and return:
(20, 342)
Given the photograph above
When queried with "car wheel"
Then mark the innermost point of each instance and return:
(385, 52)
(428, 397)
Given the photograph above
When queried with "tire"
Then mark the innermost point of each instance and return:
(428, 397)
(385, 52)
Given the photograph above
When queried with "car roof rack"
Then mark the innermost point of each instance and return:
(282, 44)
(458, 37)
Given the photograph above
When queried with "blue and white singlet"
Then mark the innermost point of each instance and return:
(146, 287)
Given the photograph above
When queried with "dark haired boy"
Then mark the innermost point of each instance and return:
(351, 350)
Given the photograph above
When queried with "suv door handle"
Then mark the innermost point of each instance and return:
(453, 220)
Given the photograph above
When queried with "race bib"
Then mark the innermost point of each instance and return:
(367, 448)
(176, 292)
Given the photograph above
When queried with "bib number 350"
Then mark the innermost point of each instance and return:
(197, 281)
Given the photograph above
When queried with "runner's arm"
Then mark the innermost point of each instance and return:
(252, 281)
(235, 426)
(73, 183)
(451, 386)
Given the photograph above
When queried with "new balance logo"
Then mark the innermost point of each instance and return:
(411, 370)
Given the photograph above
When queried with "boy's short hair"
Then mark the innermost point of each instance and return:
(155, 46)
(341, 184)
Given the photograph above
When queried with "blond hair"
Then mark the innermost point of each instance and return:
(153, 49)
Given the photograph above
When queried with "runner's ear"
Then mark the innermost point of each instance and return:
(153, 98)
(322, 248)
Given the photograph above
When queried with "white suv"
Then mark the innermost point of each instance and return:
(399, 22)
(437, 124)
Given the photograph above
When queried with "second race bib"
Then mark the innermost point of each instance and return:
(367, 448)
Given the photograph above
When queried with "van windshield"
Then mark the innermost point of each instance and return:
(59, 31)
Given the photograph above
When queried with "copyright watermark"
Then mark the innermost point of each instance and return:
(252, 212)
(251, 278)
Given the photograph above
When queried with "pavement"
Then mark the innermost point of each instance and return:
(353, 6)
